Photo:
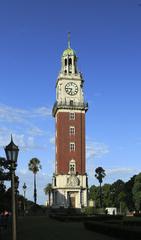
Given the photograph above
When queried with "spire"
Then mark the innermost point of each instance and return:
(11, 138)
(69, 60)
(69, 40)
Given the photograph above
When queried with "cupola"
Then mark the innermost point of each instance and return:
(69, 60)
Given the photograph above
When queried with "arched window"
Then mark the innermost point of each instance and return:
(70, 61)
(55, 181)
(65, 62)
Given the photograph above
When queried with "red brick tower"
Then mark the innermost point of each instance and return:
(70, 179)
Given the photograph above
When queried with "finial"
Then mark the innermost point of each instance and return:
(68, 39)
(11, 138)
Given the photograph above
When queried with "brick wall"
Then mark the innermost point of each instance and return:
(63, 138)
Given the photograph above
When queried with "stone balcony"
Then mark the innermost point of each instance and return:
(69, 105)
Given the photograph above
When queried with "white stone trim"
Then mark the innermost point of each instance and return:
(69, 110)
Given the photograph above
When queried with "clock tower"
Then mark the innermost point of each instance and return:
(69, 188)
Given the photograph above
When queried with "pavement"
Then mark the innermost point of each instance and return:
(44, 228)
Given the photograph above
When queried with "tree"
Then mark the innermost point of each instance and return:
(100, 174)
(117, 191)
(94, 195)
(122, 202)
(129, 194)
(1, 167)
(137, 192)
(2, 193)
(34, 166)
(107, 196)
(48, 190)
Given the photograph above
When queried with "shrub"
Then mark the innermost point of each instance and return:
(92, 211)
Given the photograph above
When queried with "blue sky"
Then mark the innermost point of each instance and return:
(106, 35)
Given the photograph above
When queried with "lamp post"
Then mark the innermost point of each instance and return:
(24, 190)
(11, 151)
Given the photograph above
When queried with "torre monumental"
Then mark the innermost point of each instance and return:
(70, 187)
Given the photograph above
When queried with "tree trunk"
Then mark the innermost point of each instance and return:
(100, 196)
(35, 190)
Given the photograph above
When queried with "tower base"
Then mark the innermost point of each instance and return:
(69, 191)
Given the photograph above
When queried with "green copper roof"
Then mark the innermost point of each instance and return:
(69, 51)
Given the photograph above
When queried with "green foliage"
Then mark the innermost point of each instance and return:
(94, 193)
(117, 190)
(34, 165)
(6, 200)
(107, 196)
(129, 195)
(48, 190)
(93, 190)
(36, 210)
(137, 192)
(93, 211)
(2, 194)
(123, 196)
(88, 210)
(100, 174)
(1, 167)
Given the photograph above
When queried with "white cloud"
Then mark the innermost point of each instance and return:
(113, 171)
(11, 114)
(20, 139)
(21, 124)
(36, 131)
(24, 142)
(112, 174)
(23, 171)
(122, 171)
(96, 150)
(42, 112)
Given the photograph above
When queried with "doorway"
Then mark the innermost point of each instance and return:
(72, 199)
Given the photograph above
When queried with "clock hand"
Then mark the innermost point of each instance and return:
(69, 89)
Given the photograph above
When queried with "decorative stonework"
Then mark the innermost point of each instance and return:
(73, 181)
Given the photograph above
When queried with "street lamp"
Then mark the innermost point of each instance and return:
(24, 190)
(11, 151)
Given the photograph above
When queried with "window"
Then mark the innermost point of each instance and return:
(71, 102)
(70, 61)
(72, 146)
(72, 130)
(72, 166)
(54, 181)
(72, 116)
(65, 62)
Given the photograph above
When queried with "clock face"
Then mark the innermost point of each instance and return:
(71, 88)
